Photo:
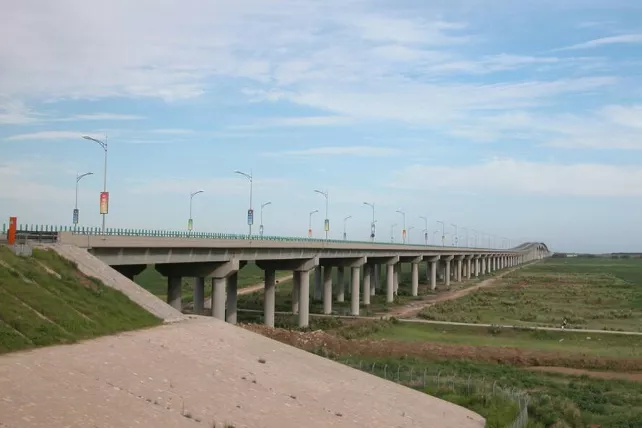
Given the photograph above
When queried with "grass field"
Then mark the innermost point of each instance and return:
(568, 401)
(44, 300)
(590, 293)
(151, 280)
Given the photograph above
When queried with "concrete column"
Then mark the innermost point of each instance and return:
(433, 275)
(174, 292)
(199, 295)
(354, 294)
(318, 293)
(232, 285)
(296, 289)
(341, 286)
(376, 279)
(327, 290)
(428, 271)
(489, 265)
(447, 274)
(476, 268)
(468, 266)
(367, 285)
(396, 270)
(459, 267)
(415, 278)
(218, 298)
(390, 283)
(269, 297)
(304, 298)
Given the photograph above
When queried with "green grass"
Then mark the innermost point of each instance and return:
(39, 309)
(606, 345)
(152, 280)
(554, 398)
(590, 293)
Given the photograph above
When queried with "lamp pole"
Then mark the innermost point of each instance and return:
(190, 222)
(466, 229)
(250, 212)
(443, 232)
(310, 223)
(392, 233)
(103, 210)
(434, 238)
(426, 228)
(345, 220)
(409, 229)
(76, 212)
(261, 225)
(372, 225)
(403, 232)
(456, 235)
(326, 223)
(475, 233)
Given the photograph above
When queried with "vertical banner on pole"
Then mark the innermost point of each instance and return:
(250, 217)
(309, 233)
(104, 202)
(190, 224)
(326, 225)
(75, 216)
(13, 227)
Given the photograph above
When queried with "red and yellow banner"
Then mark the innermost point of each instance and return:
(104, 202)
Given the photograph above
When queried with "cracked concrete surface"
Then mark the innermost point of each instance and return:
(204, 372)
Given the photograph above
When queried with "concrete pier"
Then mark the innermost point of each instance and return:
(174, 284)
(218, 298)
(327, 290)
(304, 298)
(199, 294)
(354, 294)
(269, 298)
(232, 289)
(415, 278)
(341, 286)
(433, 273)
(367, 282)
(390, 283)
(296, 288)
(318, 288)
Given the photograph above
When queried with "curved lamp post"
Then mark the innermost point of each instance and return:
(263, 205)
(392, 233)
(443, 233)
(326, 223)
(372, 225)
(250, 212)
(425, 231)
(190, 222)
(76, 213)
(345, 220)
(310, 223)
(104, 197)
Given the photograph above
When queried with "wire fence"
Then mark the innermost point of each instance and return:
(442, 381)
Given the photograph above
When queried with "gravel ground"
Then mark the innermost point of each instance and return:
(203, 372)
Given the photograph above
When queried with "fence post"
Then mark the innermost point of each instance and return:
(385, 371)
(424, 378)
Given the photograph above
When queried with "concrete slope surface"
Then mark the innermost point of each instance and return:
(92, 266)
(204, 372)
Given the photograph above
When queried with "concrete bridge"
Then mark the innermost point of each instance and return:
(222, 259)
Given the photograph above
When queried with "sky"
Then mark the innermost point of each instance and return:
(513, 119)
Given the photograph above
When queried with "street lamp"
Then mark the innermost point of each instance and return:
(310, 223)
(345, 235)
(76, 212)
(372, 225)
(250, 212)
(475, 233)
(425, 231)
(409, 229)
(392, 233)
(261, 225)
(190, 222)
(104, 196)
(456, 235)
(326, 223)
(443, 232)
(434, 238)
(403, 232)
(466, 229)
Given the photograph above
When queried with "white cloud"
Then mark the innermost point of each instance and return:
(100, 116)
(52, 135)
(14, 112)
(361, 151)
(303, 121)
(604, 41)
(173, 131)
(403, 30)
(510, 176)
(232, 186)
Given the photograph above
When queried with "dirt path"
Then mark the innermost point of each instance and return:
(258, 287)
(411, 310)
(635, 377)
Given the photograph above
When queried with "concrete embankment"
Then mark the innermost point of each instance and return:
(92, 266)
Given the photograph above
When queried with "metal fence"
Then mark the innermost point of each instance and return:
(429, 378)
(82, 230)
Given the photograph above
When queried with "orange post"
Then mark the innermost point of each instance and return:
(13, 226)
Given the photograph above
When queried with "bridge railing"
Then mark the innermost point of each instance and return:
(83, 230)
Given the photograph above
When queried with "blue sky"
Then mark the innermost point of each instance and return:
(519, 119)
